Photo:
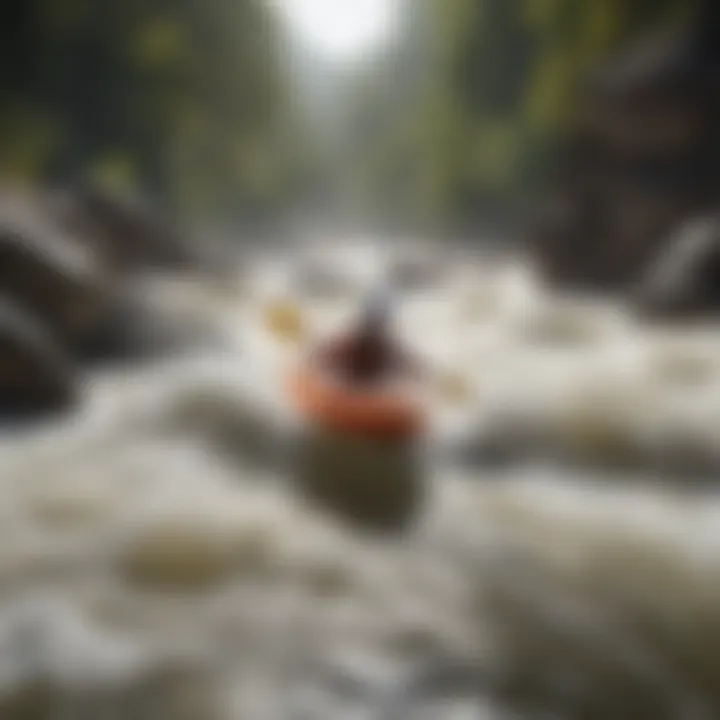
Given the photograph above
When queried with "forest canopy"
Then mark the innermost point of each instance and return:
(471, 105)
(192, 103)
(184, 100)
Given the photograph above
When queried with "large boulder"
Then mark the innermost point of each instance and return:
(138, 329)
(684, 281)
(143, 324)
(643, 158)
(603, 242)
(127, 234)
(36, 375)
(48, 273)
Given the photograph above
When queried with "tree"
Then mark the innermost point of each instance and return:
(183, 100)
(501, 81)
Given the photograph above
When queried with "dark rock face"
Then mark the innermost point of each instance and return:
(137, 328)
(68, 286)
(684, 281)
(36, 375)
(125, 234)
(644, 158)
(49, 274)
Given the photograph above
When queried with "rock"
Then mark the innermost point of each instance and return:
(48, 273)
(643, 158)
(79, 288)
(684, 281)
(127, 234)
(137, 328)
(35, 373)
(562, 239)
(602, 239)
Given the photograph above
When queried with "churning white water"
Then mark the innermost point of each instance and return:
(156, 563)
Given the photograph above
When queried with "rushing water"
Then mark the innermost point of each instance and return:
(155, 561)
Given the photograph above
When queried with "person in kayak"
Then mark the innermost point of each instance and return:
(368, 355)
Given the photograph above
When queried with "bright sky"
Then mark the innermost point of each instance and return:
(340, 29)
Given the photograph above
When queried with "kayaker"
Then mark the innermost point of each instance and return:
(358, 457)
(368, 354)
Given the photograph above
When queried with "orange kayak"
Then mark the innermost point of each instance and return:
(375, 413)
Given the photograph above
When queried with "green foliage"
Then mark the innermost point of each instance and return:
(501, 82)
(181, 99)
(187, 100)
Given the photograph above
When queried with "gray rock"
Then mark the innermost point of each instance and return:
(641, 161)
(127, 234)
(48, 273)
(35, 373)
(684, 281)
(137, 328)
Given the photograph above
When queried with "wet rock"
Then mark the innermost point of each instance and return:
(684, 281)
(35, 373)
(76, 286)
(127, 234)
(642, 159)
(48, 273)
(138, 328)
(557, 240)
(364, 482)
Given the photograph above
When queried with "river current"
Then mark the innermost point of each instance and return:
(156, 562)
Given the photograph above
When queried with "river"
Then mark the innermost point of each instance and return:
(156, 562)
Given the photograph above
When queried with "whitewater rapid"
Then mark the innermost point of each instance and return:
(155, 561)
